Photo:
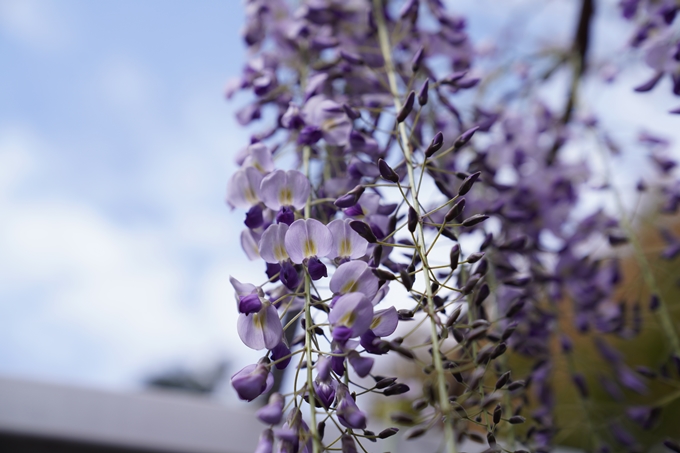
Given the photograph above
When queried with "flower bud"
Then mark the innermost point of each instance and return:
(474, 220)
(417, 60)
(350, 198)
(386, 172)
(435, 145)
(407, 107)
(464, 138)
(363, 230)
(455, 211)
(454, 256)
(423, 93)
(468, 182)
(412, 219)
(388, 432)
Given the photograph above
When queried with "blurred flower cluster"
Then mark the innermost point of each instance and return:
(385, 198)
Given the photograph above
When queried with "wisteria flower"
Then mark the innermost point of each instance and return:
(347, 244)
(260, 157)
(328, 117)
(348, 412)
(307, 238)
(244, 188)
(262, 329)
(272, 244)
(285, 189)
(252, 381)
(351, 316)
(354, 276)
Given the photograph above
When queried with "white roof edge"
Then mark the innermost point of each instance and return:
(154, 420)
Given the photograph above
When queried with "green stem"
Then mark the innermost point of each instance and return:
(444, 404)
(316, 443)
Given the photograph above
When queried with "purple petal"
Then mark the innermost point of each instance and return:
(249, 304)
(242, 289)
(244, 188)
(306, 238)
(272, 413)
(279, 352)
(348, 413)
(252, 381)
(272, 246)
(362, 365)
(346, 242)
(316, 268)
(323, 368)
(260, 157)
(385, 322)
(249, 240)
(325, 392)
(281, 188)
(353, 310)
(261, 330)
(266, 442)
(354, 276)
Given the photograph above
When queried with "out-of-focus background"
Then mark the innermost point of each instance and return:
(116, 144)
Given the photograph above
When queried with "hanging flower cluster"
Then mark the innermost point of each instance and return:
(388, 194)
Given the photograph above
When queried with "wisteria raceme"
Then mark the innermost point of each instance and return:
(461, 215)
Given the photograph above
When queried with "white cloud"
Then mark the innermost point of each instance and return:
(34, 23)
(95, 301)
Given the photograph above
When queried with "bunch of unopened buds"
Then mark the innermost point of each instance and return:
(378, 208)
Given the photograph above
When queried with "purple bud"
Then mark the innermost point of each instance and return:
(386, 172)
(482, 294)
(249, 304)
(467, 183)
(412, 219)
(341, 334)
(350, 198)
(351, 57)
(289, 276)
(407, 107)
(435, 145)
(309, 135)
(316, 268)
(272, 413)
(254, 217)
(654, 302)
(417, 60)
(348, 445)
(363, 230)
(455, 211)
(580, 383)
(285, 215)
(396, 389)
(474, 220)
(464, 138)
(279, 352)
(454, 256)
(650, 84)
(272, 270)
(252, 381)
(350, 112)
(389, 432)
(423, 93)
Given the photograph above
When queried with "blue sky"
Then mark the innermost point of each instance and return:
(115, 148)
(116, 145)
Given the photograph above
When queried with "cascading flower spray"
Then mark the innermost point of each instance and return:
(390, 193)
